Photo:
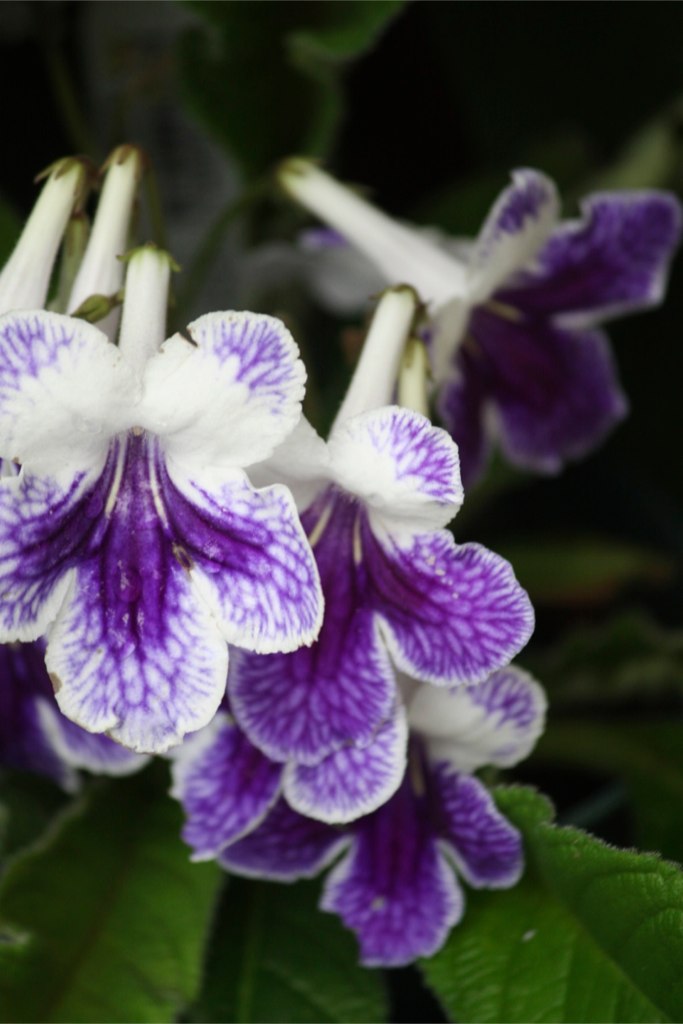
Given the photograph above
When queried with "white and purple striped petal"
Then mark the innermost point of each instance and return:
(247, 556)
(517, 226)
(227, 398)
(485, 847)
(405, 470)
(450, 613)
(133, 652)
(352, 781)
(285, 846)
(226, 786)
(615, 259)
(394, 888)
(555, 392)
(496, 722)
(305, 705)
(64, 391)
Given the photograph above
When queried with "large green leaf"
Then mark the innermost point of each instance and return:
(264, 77)
(105, 919)
(276, 957)
(591, 934)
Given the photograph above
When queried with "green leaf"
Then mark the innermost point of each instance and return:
(266, 81)
(105, 920)
(581, 570)
(276, 957)
(591, 934)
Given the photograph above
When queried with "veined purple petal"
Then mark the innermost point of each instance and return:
(228, 400)
(450, 613)
(285, 846)
(248, 557)
(24, 742)
(64, 390)
(613, 260)
(42, 528)
(352, 781)
(403, 468)
(515, 229)
(306, 704)
(394, 888)
(226, 786)
(556, 392)
(496, 722)
(133, 652)
(486, 848)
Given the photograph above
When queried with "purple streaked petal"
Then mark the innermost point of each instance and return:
(394, 888)
(307, 704)
(450, 613)
(42, 526)
(515, 229)
(486, 848)
(24, 743)
(64, 390)
(556, 392)
(248, 557)
(352, 781)
(80, 749)
(146, 669)
(404, 469)
(226, 786)
(613, 260)
(285, 846)
(229, 399)
(462, 408)
(133, 651)
(496, 722)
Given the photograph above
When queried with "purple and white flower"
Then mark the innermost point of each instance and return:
(516, 349)
(400, 594)
(132, 534)
(396, 884)
(36, 737)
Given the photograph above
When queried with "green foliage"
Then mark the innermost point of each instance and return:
(275, 956)
(592, 933)
(264, 77)
(28, 804)
(106, 918)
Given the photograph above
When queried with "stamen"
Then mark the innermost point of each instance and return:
(319, 528)
(412, 380)
(503, 310)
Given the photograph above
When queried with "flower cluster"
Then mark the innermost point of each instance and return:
(186, 557)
